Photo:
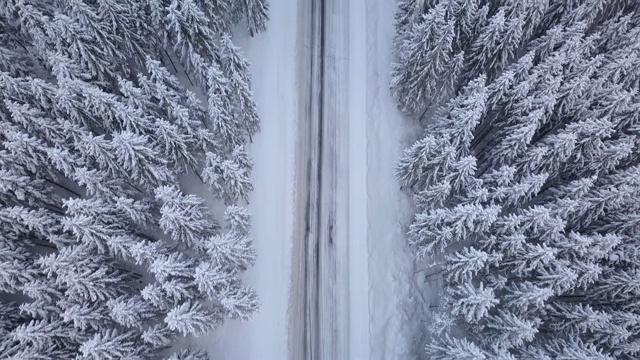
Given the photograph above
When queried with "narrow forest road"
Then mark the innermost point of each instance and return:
(329, 317)
(328, 217)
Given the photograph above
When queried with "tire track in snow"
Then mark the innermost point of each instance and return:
(314, 329)
(304, 335)
(333, 220)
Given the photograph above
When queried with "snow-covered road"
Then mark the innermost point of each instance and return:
(333, 273)
(360, 301)
(329, 290)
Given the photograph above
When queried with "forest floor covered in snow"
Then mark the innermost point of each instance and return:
(397, 303)
(273, 56)
(366, 303)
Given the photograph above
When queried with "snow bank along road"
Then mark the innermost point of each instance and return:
(273, 56)
(329, 316)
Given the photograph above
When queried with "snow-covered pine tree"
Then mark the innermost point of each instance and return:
(504, 34)
(95, 121)
(192, 318)
(466, 264)
(189, 354)
(220, 110)
(184, 217)
(542, 156)
(507, 330)
(237, 219)
(188, 30)
(453, 349)
(86, 316)
(232, 249)
(114, 344)
(156, 296)
(16, 267)
(236, 69)
(130, 311)
(159, 335)
(435, 230)
(228, 179)
(174, 265)
(239, 302)
(38, 334)
(212, 278)
(427, 63)
(472, 303)
(256, 13)
(253, 11)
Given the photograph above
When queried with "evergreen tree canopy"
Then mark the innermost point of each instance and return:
(526, 178)
(102, 254)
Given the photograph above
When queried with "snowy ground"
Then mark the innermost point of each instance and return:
(333, 273)
(273, 56)
(396, 303)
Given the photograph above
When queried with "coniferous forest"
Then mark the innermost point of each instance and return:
(105, 105)
(526, 179)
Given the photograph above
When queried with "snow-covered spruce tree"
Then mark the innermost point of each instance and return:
(526, 178)
(102, 255)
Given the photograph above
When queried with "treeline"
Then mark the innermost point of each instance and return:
(102, 256)
(527, 178)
